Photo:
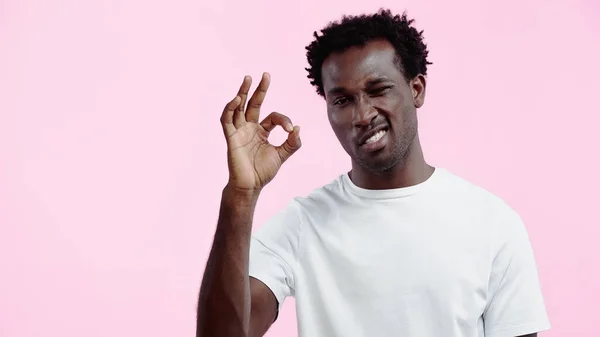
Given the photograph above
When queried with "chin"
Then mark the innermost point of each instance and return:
(381, 165)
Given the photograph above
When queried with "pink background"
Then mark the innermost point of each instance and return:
(112, 158)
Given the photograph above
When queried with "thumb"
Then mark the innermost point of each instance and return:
(291, 145)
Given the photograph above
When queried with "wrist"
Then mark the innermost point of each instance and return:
(241, 195)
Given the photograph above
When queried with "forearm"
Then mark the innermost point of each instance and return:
(224, 302)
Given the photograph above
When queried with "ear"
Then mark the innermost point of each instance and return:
(417, 86)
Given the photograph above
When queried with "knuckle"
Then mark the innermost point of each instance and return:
(254, 104)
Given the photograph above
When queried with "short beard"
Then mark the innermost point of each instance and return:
(397, 160)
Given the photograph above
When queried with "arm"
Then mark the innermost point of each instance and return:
(516, 304)
(231, 303)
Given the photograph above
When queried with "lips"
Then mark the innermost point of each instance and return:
(370, 133)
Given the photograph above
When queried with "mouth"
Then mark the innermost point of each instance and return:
(374, 139)
(373, 135)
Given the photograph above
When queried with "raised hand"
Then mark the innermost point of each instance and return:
(253, 161)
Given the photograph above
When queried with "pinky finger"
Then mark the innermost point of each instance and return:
(227, 116)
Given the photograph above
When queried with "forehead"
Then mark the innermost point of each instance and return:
(357, 65)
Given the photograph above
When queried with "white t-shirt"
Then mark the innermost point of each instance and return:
(443, 258)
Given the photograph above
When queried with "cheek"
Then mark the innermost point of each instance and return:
(335, 117)
(390, 109)
(339, 120)
(397, 106)
(341, 128)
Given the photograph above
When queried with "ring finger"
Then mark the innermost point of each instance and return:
(239, 117)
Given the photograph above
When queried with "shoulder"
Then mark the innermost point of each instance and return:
(317, 203)
(501, 219)
(323, 199)
(466, 191)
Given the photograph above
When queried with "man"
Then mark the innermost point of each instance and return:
(395, 247)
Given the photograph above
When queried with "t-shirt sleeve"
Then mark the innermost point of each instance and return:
(515, 302)
(273, 250)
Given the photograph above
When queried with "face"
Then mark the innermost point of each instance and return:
(371, 106)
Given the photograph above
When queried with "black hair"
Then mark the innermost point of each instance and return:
(358, 30)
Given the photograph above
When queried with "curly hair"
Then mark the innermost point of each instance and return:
(358, 30)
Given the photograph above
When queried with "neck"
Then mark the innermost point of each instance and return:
(412, 170)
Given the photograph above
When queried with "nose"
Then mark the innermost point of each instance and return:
(364, 113)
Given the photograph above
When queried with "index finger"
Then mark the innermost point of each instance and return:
(275, 119)
(258, 97)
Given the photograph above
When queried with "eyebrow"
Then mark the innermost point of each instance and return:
(370, 83)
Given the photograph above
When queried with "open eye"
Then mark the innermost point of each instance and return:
(340, 101)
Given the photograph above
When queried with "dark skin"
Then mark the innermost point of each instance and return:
(365, 91)
(230, 302)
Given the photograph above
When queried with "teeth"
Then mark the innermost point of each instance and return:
(375, 137)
